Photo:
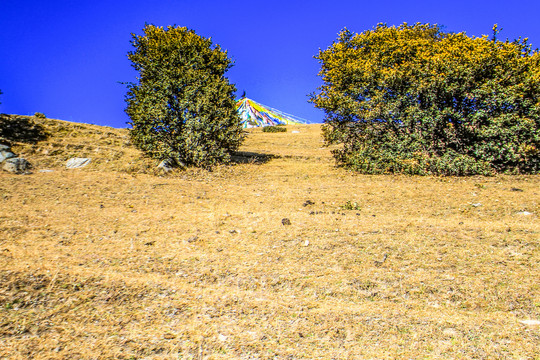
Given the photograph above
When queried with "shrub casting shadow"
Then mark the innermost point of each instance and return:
(247, 157)
(20, 129)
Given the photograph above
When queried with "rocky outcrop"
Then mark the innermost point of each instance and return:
(5, 153)
(16, 165)
(11, 163)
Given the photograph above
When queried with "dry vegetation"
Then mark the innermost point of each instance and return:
(115, 262)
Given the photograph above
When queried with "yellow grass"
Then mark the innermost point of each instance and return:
(114, 261)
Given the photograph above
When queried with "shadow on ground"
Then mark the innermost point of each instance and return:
(20, 129)
(247, 157)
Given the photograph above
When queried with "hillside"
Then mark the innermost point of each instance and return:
(118, 261)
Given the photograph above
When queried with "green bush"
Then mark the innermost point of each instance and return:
(417, 100)
(183, 107)
(274, 129)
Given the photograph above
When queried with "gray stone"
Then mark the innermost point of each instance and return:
(166, 165)
(6, 154)
(16, 165)
(4, 147)
(76, 163)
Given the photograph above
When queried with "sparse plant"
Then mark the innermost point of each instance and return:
(182, 108)
(274, 129)
(351, 205)
(40, 115)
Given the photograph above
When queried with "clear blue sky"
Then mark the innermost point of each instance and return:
(66, 59)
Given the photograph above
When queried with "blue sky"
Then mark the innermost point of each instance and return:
(67, 59)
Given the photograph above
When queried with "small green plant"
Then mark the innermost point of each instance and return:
(274, 129)
(40, 115)
(349, 205)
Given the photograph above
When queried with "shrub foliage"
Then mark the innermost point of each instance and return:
(22, 129)
(274, 129)
(417, 100)
(183, 106)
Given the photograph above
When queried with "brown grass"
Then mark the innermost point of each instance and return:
(115, 262)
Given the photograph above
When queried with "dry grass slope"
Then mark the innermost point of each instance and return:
(114, 262)
(109, 148)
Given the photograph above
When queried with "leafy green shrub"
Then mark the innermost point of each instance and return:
(274, 129)
(416, 100)
(183, 107)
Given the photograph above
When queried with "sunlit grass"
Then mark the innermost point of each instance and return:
(115, 262)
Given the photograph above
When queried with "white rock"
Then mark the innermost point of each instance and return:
(295, 132)
(450, 332)
(76, 163)
(524, 213)
(530, 322)
(306, 243)
(6, 154)
(222, 337)
(165, 166)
